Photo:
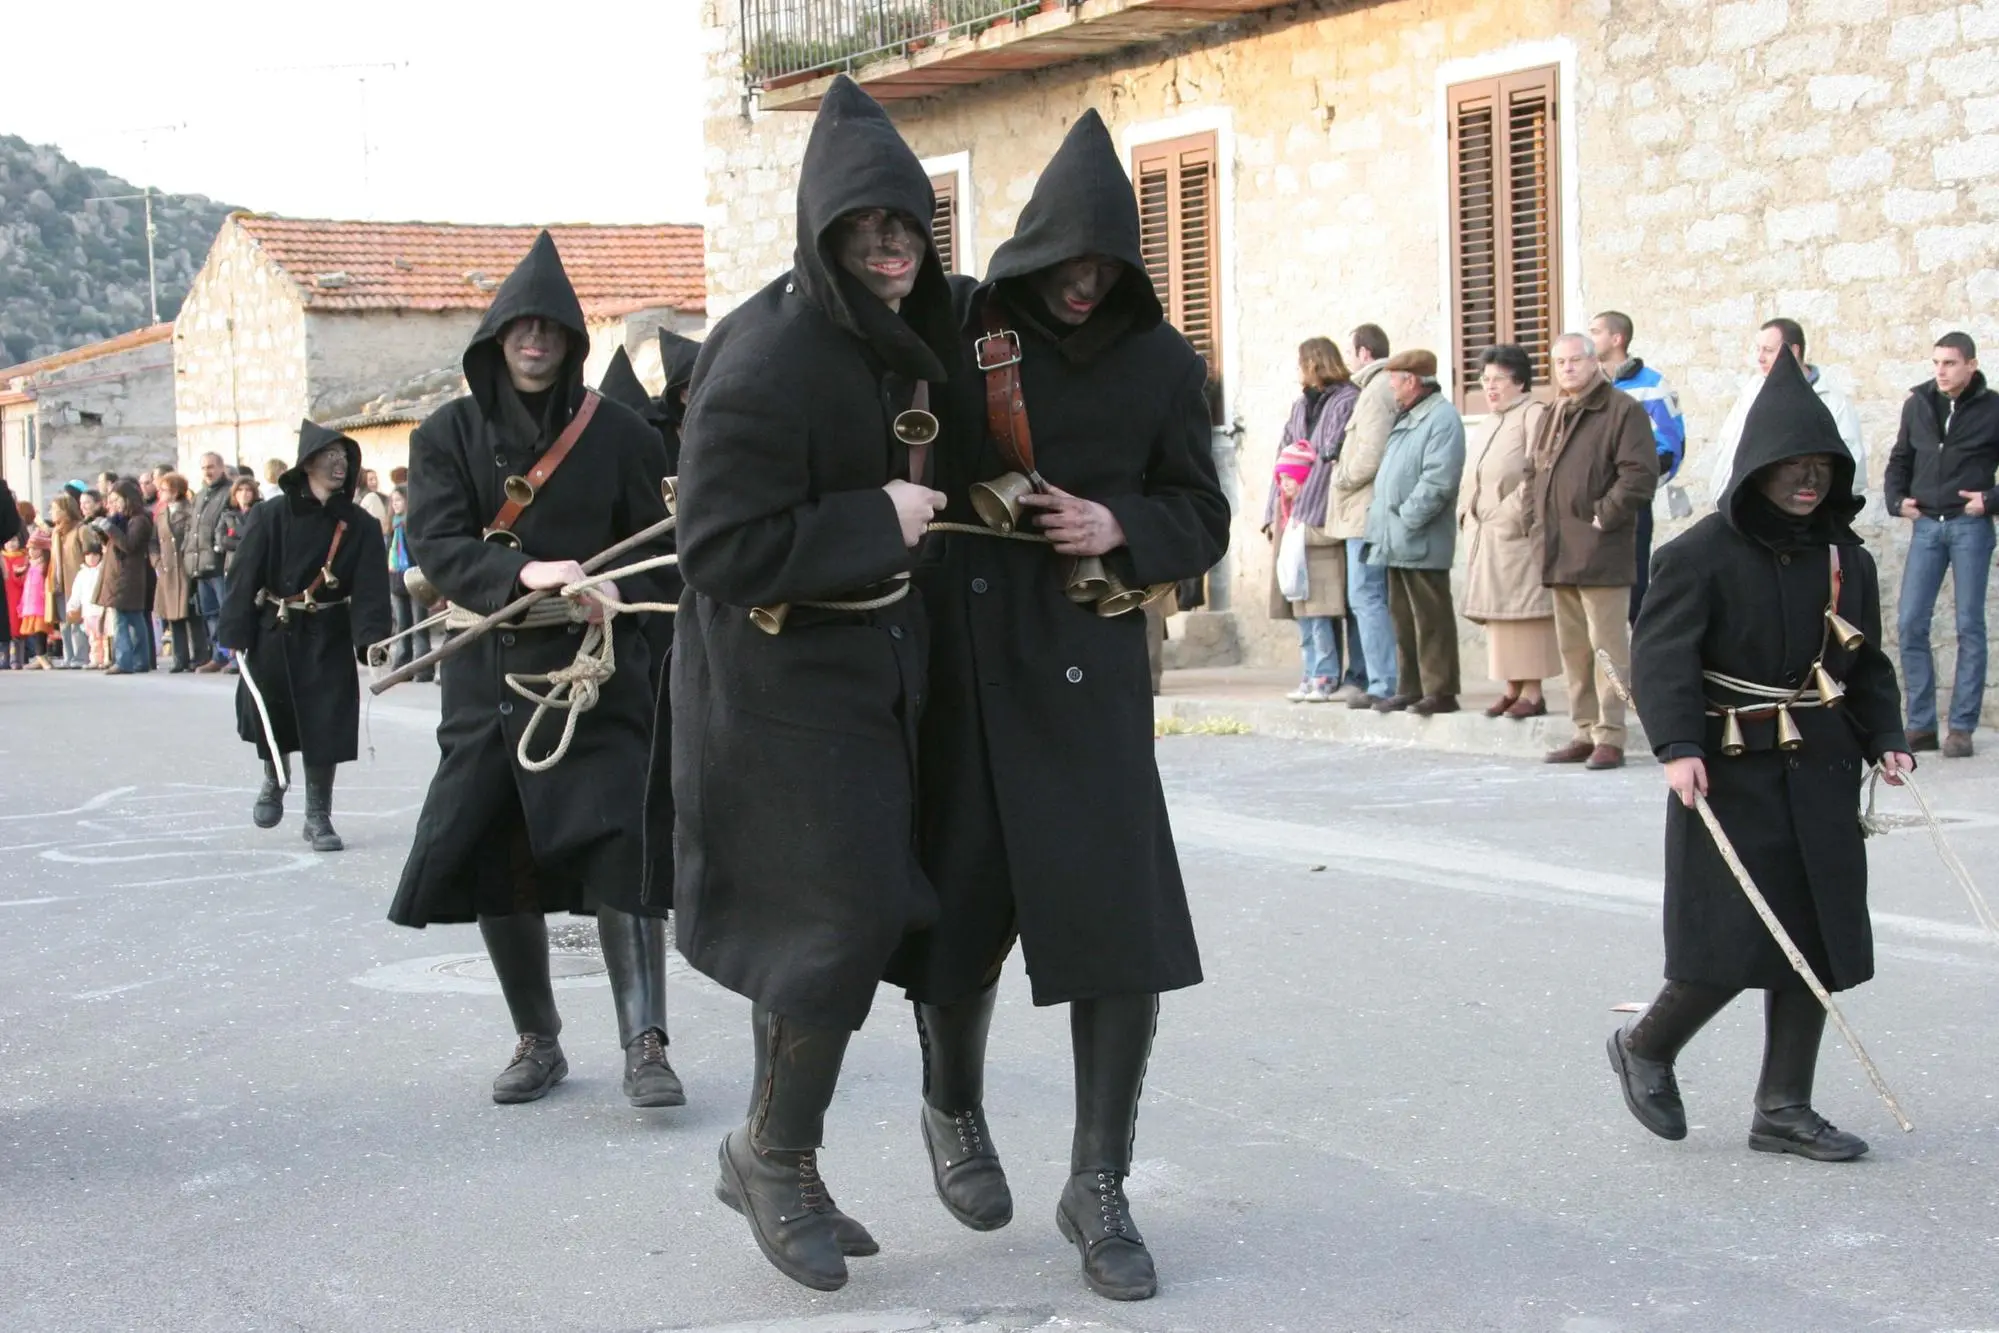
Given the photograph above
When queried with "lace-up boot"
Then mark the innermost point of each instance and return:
(319, 809)
(1112, 1040)
(855, 1240)
(770, 1166)
(518, 946)
(1642, 1053)
(269, 807)
(1793, 1026)
(635, 957)
(537, 1066)
(963, 1162)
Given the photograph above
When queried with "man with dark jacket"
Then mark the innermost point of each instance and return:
(1754, 697)
(204, 557)
(799, 657)
(310, 593)
(1042, 815)
(1595, 467)
(1941, 478)
(510, 489)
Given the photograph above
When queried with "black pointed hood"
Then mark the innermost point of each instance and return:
(677, 354)
(1083, 204)
(537, 287)
(1787, 420)
(621, 384)
(313, 437)
(856, 159)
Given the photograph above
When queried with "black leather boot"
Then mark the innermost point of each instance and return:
(518, 946)
(770, 1164)
(635, 956)
(1112, 1040)
(1642, 1052)
(1793, 1025)
(269, 808)
(963, 1162)
(319, 809)
(855, 1241)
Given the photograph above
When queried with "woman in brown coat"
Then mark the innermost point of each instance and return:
(173, 594)
(66, 537)
(1503, 589)
(127, 530)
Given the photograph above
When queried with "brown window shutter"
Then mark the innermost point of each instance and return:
(1179, 238)
(1505, 228)
(944, 220)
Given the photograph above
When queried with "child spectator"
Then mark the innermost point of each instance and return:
(83, 610)
(31, 628)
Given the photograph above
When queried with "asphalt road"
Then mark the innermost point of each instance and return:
(236, 1098)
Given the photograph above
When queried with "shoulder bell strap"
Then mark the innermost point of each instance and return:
(998, 356)
(325, 579)
(545, 466)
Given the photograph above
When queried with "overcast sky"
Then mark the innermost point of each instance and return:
(572, 111)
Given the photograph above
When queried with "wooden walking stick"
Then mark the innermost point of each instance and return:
(1770, 921)
(514, 608)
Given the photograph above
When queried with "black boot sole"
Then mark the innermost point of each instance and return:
(534, 1094)
(267, 816)
(649, 1101)
(730, 1189)
(1615, 1048)
(937, 1181)
(1074, 1236)
(1779, 1144)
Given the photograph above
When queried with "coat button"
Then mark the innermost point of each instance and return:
(506, 640)
(1075, 675)
(507, 710)
(979, 585)
(1793, 764)
(895, 631)
(499, 460)
(1783, 559)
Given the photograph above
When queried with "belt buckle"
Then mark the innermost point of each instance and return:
(1008, 340)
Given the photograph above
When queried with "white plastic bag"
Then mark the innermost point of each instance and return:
(1292, 566)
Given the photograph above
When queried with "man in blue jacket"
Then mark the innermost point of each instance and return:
(1940, 478)
(1611, 332)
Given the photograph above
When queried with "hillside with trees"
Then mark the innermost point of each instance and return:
(73, 268)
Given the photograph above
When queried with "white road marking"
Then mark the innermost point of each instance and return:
(97, 802)
(37, 902)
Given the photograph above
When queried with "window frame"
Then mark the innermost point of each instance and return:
(1172, 153)
(957, 169)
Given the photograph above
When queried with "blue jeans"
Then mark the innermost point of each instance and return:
(130, 636)
(1367, 596)
(1319, 646)
(208, 605)
(1963, 546)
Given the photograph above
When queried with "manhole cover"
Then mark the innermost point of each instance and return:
(560, 966)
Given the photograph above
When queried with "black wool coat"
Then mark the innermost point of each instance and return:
(305, 665)
(794, 754)
(1041, 805)
(1744, 594)
(494, 837)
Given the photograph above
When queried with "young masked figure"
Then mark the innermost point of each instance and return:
(1755, 692)
(498, 842)
(309, 591)
(1043, 815)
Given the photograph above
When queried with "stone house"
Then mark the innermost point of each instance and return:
(1458, 171)
(299, 317)
(105, 407)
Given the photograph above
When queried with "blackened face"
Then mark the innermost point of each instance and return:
(534, 349)
(327, 469)
(1796, 485)
(1073, 290)
(883, 249)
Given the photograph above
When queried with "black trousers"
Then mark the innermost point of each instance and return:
(1643, 528)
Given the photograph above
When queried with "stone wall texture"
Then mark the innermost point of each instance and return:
(109, 413)
(240, 384)
(353, 357)
(1835, 161)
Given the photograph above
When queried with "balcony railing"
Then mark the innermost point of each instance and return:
(788, 41)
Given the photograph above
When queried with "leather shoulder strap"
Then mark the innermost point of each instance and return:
(998, 355)
(545, 466)
(324, 578)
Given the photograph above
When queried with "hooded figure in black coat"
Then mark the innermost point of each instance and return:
(794, 752)
(308, 593)
(677, 355)
(1735, 629)
(497, 842)
(1042, 811)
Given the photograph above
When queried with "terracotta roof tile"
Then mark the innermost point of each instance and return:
(124, 342)
(444, 266)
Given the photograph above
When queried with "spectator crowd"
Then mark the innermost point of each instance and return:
(127, 575)
(1377, 482)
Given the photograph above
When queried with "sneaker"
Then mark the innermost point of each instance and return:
(1302, 693)
(1321, 693)
(1957, 745)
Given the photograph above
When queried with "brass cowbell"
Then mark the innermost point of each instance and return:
(1843, 631)
(1732, 743)
(1788, 735)
(1830, 690)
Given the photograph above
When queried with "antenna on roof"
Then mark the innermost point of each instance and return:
(145, 133)
(360, 73)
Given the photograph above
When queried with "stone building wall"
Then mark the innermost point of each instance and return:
(1836, 161)
(112, 413)
(351, 355)
(240, 358)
